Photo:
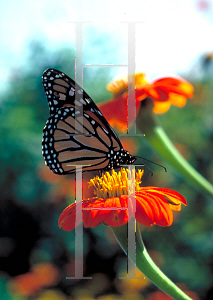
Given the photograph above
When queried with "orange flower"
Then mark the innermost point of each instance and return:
(164, 91)
(167, 91)
(153, 205)
(25, 284)
(30, 283)
(62, 187)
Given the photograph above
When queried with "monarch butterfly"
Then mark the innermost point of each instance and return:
(76, 132)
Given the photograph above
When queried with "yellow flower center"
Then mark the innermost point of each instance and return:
(122, 183)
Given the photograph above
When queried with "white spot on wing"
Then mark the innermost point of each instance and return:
(71, 93)
(87, 100)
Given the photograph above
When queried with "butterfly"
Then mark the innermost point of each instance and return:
(77, 133)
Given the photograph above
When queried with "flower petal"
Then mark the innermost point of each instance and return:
(152, 210)
(155, 205)
(67, 217)
(173, 196)
(178, 100)
(93, 213)
(117, 217)
(161, 107)
(116, 117)
(176, 85)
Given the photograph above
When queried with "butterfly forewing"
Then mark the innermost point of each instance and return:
(76, 132)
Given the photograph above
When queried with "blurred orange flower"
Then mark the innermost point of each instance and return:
(63, 187)
(30, 283)
(47, 273)
(132, 285)
(153, 205)
(168, 91)
(165, 92)
(25, 284)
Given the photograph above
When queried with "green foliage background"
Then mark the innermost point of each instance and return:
(29, 233)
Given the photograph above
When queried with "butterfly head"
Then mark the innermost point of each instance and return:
(120, 159)
(128, 159)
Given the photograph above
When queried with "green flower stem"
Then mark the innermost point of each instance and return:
(145, 264)
(157, 138)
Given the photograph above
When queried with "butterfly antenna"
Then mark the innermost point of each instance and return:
(152, 173)
(152, 163)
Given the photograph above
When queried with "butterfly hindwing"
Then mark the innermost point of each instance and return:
(87, 144)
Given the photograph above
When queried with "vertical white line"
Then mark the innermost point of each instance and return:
(78, 74)
(131, 221)
(79, 228)
(78, 180)
(131, 78)
(78, 185)
(79, 255)
(131, 262)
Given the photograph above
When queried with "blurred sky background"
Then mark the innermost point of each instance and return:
(170, 39)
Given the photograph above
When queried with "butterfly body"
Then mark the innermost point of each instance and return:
(76, 133)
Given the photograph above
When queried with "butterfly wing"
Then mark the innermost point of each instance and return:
(76, 132)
